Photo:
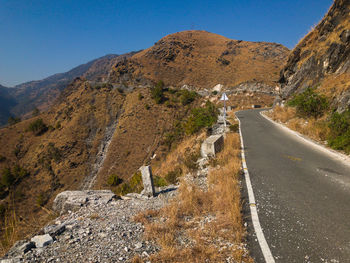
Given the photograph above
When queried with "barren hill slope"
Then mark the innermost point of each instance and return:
(322, 58)
(202, 59)
(42, 93)
(65, 148)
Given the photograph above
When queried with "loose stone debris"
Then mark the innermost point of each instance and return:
(96, 226)
(99, 231)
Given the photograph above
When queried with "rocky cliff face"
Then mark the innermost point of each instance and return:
(322, 58)
(202, 59)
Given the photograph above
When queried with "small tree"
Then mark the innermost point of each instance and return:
(157, 92)
(38, 127)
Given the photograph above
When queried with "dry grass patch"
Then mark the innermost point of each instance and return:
(202, 225)
(316, 129)
(179, 157)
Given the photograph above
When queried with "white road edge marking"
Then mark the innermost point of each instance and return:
(253, 210)
(332, 153)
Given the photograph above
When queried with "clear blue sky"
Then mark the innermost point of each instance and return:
(43, 37)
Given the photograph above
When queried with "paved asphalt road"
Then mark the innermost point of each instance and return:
(302, 195)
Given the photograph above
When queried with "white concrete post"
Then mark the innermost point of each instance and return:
(147, 179)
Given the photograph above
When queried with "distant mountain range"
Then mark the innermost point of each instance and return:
(23, 98)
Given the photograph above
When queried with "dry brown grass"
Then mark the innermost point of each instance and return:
(194, 61)
(202, 225)
(176, 158)
(316, 129)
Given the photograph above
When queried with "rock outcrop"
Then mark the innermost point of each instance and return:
(322, 58)
(73, 200)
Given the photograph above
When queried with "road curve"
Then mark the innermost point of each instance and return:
(302, 195)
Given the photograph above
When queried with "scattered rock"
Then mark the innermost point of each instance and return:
(42, 241)
(73, 200)
(55, 230)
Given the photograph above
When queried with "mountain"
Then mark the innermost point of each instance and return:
(42, 93)
(6, 103)
(202, 59)
(322, 59)
(109, 122)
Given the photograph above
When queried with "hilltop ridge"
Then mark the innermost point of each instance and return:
(202, 59)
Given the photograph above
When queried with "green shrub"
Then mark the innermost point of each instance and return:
(13, 120)
(136, 182)
(7, 177)
(339, 125)
(174, 135)
(19, 172)
(172, 91)
(187, 97)
(2, 158)
(234, 127)
(10, 176)
(42, 199)
(140, 96)
(134, 185)
(172, 176)
(309, 103)
(147, 107)
(190, 161)
(123, 189)
(157, 94)
(215, 92)
(38, 127)
(200, 118)
(159, 181)
(114, 180)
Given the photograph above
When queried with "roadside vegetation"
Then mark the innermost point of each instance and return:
(311, 114)
(199, 118)
(200, 225)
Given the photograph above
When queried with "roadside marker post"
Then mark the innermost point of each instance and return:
(224, 98)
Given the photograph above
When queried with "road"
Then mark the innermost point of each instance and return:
(302, 195)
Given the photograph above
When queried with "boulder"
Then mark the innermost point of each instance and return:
(42, 240)
(218, 88)
(19, 248)
(55, 230)
(212, 145)
(73, 200)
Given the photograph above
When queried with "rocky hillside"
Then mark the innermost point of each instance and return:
(65, 147)
(322, 58)
(202, 59)
(6, 103)
(42, 93)
(97, 129)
